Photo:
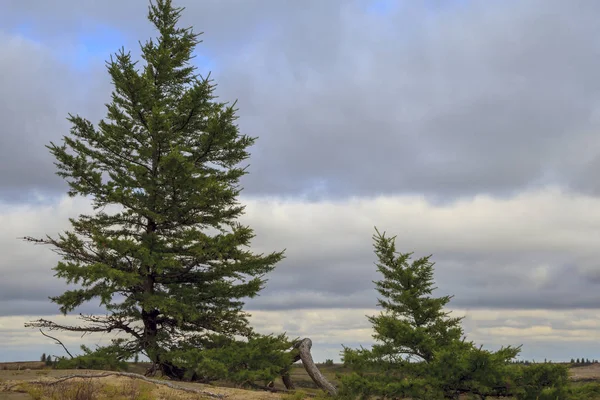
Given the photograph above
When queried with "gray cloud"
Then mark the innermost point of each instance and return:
(490, 98)
(38, 92)
(487, 251)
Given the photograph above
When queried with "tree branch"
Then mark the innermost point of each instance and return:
(57, 342)
(110, 324)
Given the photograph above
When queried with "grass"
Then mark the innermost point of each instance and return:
(22, 365)
(101, 389)
(28, 385)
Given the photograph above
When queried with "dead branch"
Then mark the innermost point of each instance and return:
(57, 342)
(129, 375)
(304, 347)
(105, 324)
(53, 326)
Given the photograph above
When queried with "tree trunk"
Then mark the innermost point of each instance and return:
(287, 381)
(174, 372)
(285, 374)
(304, 347)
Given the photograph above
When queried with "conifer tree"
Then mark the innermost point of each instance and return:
(171, 266)
(420, 351)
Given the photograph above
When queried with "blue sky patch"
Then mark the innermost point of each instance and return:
(95, 43)
(381, 7)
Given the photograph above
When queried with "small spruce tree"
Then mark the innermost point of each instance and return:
(420, 351)
(43, 358)
(171, 266)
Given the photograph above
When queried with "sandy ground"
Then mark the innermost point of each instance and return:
(591, 372)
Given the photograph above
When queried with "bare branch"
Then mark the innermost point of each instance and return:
(105, 324)
(57, 342)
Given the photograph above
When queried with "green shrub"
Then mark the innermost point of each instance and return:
(586, 391)
(111, 358)
(261, 359)
(541, 382)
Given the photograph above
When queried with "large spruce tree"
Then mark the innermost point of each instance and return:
(172, 266)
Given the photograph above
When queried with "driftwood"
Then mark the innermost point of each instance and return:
(129, 375)
(304, 347)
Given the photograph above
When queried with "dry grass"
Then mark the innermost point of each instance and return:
(590, 372)
(113, 387)
(22, 365)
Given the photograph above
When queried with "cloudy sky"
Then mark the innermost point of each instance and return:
(469, 129)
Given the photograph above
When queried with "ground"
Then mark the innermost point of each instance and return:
(118, 387)
(125, 388)
(590, 372)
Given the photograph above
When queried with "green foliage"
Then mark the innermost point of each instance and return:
(171, 264)
(43, 358)
(413, 324)
(111, 358)
(49, 361)
(420, 352)
(462, 368)
(328, 363)
(260, 359)
(586, 391)
(541, 382)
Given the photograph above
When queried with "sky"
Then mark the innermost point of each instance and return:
(469, 129)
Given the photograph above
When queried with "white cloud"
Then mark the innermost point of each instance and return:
(329, 244)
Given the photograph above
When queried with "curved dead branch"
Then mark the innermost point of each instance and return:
(57, 342)
(304, 347)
